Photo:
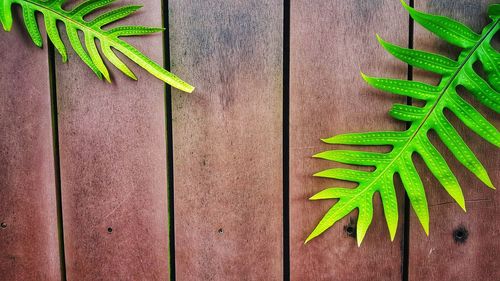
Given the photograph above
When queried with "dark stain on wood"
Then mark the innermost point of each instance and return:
(460, 234)
(350, 228)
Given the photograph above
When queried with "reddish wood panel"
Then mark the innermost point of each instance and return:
(444, 255)
(228, 139)
(28, 217)
(113, 166)
(331, 41)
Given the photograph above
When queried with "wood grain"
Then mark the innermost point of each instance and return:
(441, 255)
(29, 248)
(113, 166)
(331, 41)
(228, 139)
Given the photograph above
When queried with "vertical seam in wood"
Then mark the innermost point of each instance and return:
(406, 222)
(286, 141)
(169, 142)
(55, 148)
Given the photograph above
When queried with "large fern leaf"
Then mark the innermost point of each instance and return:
(110, 39)
(476, 47)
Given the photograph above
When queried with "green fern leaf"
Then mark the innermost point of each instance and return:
(110, 40)
(429, 117)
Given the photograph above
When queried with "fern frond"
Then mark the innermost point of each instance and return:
(110, 40)
(430, 117)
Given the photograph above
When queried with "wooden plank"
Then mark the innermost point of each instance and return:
(113, 166)
(331, 41)
(443, 255)
(28, 232)
(228, 139)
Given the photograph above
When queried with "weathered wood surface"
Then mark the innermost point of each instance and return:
(331, 41)
(444, 255)
(228, 139)
(113, 166)
(227, 151)
(29, 248)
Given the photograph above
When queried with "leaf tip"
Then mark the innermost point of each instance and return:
(379, 39)
(314, 197)
(392, 235)
(317, 155)
(107, 78)
(309, 238)
(426, 230)
(367, 78)
(487, 181)
(318, 174)
(462, 205)
(406, 6)
(7, 27)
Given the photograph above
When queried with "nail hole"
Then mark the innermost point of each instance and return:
(460, 234)
(110, 229)
(3, 225)
(221, 231)
(350, 228)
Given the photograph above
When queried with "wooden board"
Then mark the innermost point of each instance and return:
(113, 166)
(29, 247)
(331, 41)
(444, 255)
(228, 139)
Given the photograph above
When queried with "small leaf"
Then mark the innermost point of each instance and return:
(372, 138)
(445, 28)
(365, 218)
(114, 15)
(483, 92)
(491, 64)
(415, 190)
(411, 89)
(79, 50)
(6, 14)
(333, 193)
(344, 174)
(494, 11)
(338, 211)
(32, 26)
(133, 30)
(459, 148)
(95, 56)
(423, 60)
(354, 157)
(437, 165)
(473, 119)
(110, 55)
(390, 204)
(88, 6)
(408, 113)
(53, 33)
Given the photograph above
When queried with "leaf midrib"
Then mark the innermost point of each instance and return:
(424, 120)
